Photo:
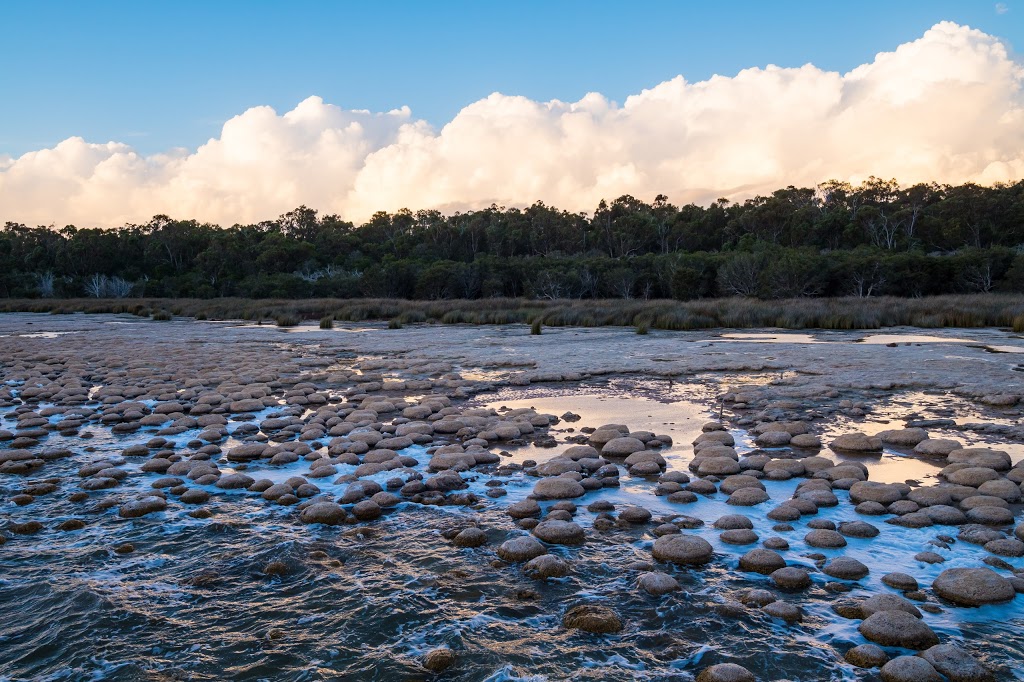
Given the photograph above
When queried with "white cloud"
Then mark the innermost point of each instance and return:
(945, 107)
(1002, 8)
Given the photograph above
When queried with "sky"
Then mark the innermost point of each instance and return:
(116, 111)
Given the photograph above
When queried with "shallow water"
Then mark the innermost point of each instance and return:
(367, 601)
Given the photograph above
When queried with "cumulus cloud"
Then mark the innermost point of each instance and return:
(945, 107)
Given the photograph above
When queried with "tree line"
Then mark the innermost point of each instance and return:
(831, 240)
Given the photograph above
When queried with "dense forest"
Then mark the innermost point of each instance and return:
(831, 240)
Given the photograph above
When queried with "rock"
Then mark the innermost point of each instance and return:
(622, 447)
(683, 549)
(871, 491)
(142, 506)
(972, 476)
(898, 628)
(635, 515)
(956, 664)
(592, 618)
(546, 566)
(858, 529)
(856, 442)
(367, 510)
(937, 447)
(1011, 547)
(900, 581)
(806, 440)
(439, 660)
(828, 539)
(470, 537)
(762, 561)
(791, 578)
(784, 610)
(845, 568)
(973, 586)
(748, 497)
(909, 669)
(718, 466)
(886, 602)
(558, 488)
(559, 532)
(906, 438)
(733, 522)
(657, 583)
(726, 672)
(866, 656)
(773, 439)
(327, 513)
(739, 536)
(521, 548)
(524, 509)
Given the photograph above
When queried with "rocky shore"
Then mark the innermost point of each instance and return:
(767, 514)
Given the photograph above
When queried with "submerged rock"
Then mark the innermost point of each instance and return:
(592, 618)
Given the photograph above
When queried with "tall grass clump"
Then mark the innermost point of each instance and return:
(162, 316)
(394, 323)
(287, 319)
(327, 322)
(535, 327)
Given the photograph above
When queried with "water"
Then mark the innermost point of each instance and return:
(367, 601)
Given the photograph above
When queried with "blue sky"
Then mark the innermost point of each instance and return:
(161, 75)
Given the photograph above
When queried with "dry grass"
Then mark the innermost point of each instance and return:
(975, 310)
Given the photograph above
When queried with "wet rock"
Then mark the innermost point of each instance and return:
(635, 515)
(71, 524)
(898, 628)
(956, 664)
(866, 656)
(1010, 547)
(657, 583)
(845, 568)
(762, 561)
(871, 491)
(367, 510)
(470, 537)
(886, 602)
(791, 578)
(726, 672)
(592, 618)
(929, 558)
(784, 610)
(937, 447)
(622, 447)
(858, 529)
(327, 513)
(909, 669)
(973, 586)
(546, 566)
(557, 488)
(856, 442)
(683, 549)
(439, 659)
(900, 581)
(524, 509)
(748, 497)
(971, 476)
(903, 437)
(828, 539)
(560, 532)
(134, 509)
(521, 548)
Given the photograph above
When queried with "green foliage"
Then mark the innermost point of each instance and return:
(287, 319)
(327, 322)
(162, 316)
(535, 327)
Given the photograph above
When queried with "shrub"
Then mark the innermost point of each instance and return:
(327, 322)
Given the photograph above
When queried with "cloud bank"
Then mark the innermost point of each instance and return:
(946, 107)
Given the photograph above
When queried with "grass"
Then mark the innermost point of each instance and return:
(327, 322)
(162, 316)
(973, 310)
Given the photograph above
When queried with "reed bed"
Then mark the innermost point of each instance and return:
(969, 310)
